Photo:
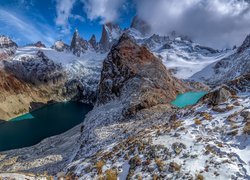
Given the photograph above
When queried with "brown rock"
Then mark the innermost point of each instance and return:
(135, 76)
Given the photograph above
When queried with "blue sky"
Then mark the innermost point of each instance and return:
(27, 21)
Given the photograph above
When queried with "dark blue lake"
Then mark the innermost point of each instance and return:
(31, 128)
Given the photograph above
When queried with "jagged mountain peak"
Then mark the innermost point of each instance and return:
(140, 25)
(245, 45)
(39, 44)
(7, 47)
(92, 41)
(110, 34)
(78, 44)
(60, 46)
(6, 42)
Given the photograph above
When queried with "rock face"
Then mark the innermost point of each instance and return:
(32, 80)
(78, 44)
(245, 45)
(140, 25)
(134, 75)
(17, 95)
(39, 44)
(36, 70)
(110, 34)
(218, 96)
(60, 46)
(241, 84)
(7, 47)
(93, 42)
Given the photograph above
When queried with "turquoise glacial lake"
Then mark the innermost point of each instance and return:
(31, 128)
(187, 99)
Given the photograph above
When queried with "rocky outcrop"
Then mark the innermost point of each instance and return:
(110, 34)
(36, 70)
(93, 42)
(241, 84)
(30, 80)
(17, 95)
(218, 96)
(60, 46)
(39, 44)
(134, 75)
(78, 45)
(7, 47)
(245, 45)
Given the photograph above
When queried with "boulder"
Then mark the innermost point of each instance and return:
(218, 96)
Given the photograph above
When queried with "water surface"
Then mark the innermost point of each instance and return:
(31, 128)
(187, 99)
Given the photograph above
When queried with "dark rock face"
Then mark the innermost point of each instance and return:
(110, 34)
(7, 47)
(245, 45)
(155, 40)
(78, 45)
(39, 70)
(134, 75)
(93, 42)
(241, 84)
(39, 44)
(218, 96)
(140, 25)
(60, 46)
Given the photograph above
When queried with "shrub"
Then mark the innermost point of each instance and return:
(99, 166)
(246, 129)
(174, 167)
(197, 121)
(199, 177)
(111, 174)
(160, 164)
(207, 116)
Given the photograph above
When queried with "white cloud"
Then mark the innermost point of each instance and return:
(105, 10)
(216, 23)
(63, 11)
(25, 29)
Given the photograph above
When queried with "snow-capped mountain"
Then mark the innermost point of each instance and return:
(7, 47)
(110, 34)
(78, 45)
(227, 68)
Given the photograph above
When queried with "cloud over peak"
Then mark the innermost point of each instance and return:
(218, 23)
(105, 10)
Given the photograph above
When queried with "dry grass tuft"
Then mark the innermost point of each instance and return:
(99, 166)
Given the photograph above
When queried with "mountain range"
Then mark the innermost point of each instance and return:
(133, 132)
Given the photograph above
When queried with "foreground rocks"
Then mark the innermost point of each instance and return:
(218, 96)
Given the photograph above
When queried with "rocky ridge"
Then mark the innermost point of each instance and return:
(132, 73)
(227, 68)
(7, 47)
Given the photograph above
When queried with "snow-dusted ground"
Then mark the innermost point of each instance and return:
(201, 142)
